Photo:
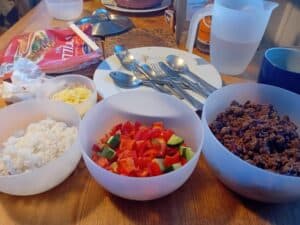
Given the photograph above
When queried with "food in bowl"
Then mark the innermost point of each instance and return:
(40, 143)
(138, 4)
(147, 107)
(72, 95)
(137, 150)
(77, 90)
(257, 134)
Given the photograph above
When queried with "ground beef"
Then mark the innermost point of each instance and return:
(258, 135)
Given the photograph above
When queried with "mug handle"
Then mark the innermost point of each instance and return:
(198, 15)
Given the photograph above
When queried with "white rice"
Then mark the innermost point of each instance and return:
(39, 144)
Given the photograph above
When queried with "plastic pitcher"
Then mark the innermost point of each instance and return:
(236, 31)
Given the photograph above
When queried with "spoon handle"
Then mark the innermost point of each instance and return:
(197, 104)
(152, 83)
(200, 81)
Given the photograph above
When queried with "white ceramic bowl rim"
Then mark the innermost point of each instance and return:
(229, 153)
(49, 164)
(197, 151)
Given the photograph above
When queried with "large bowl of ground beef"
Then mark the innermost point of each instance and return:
(252, 140)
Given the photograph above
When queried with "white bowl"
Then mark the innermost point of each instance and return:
(17, 117)
(240, 176)
(53, 85)
(145, 107)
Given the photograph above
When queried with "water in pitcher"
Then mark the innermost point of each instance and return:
(231, 57)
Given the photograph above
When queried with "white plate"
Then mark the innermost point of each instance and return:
(165, 4)
(106, 87)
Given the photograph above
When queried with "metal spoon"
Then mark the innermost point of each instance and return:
(178, 64)
(125, 80)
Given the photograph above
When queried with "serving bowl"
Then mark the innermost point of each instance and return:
(53, 85)
(240, 176)
(138, 4)
(17, 117)
(145, 107)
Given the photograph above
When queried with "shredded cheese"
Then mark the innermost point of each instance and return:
(74, 95)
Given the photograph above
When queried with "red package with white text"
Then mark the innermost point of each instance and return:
(53, 50)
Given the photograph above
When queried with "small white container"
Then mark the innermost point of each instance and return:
(65, 9)
(53, 85)
(17, 117)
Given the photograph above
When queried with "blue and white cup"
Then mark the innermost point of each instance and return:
(281, 67)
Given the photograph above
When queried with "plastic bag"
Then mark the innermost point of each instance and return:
(53, 50)
(26, 79)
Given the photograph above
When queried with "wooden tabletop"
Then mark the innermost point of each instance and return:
(80, 200)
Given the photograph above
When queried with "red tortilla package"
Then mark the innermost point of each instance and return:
(53, 50)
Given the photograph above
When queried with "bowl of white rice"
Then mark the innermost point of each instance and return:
(39, 147)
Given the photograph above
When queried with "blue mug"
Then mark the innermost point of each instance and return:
(281, 67)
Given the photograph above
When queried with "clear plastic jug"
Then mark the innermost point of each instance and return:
(236, 31)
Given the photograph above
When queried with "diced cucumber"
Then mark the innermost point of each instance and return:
(181, 150)
(160, 163)
(175, 140)
(114, 141)
(186, 152)
(108, 152)
(174, 166)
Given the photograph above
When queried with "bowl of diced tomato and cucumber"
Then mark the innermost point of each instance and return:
(141, 145)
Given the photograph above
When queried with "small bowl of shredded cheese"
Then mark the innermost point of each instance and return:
(76, 90)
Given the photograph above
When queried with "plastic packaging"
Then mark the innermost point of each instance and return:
(26, 80)
(53, 50)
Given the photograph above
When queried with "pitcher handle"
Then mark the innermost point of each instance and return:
(198, 15)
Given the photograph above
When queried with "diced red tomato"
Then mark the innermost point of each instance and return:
(155, 133)
(171, 151)
(166, 134)
(103, 162)
(126, 144)
(160, 144)
(127, 128)
(115, 129)
(139, 145)
(104, 139)
(143, 162)
(142, 173)
(154, 169)
(96, 148)
(170, 160)
(141, 134)
(126, 166)
(183, 160)
(137, 125)
(126, 154)
(159, 125)
(152, 153)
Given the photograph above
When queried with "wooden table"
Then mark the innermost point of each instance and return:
(80, 200)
